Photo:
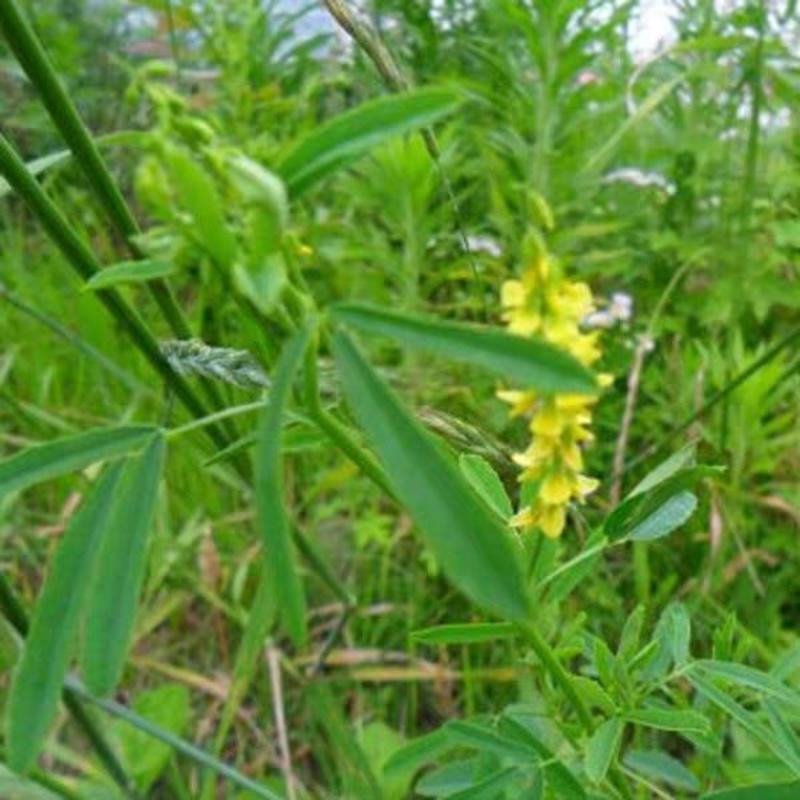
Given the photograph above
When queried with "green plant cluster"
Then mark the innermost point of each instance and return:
(257, 488)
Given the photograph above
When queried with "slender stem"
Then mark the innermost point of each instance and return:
(335, 431)
(181, 746)
(13, 611)
(549, 661)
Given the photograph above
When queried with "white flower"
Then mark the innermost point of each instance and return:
(636, 177)
(484, 244)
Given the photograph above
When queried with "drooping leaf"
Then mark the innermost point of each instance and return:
(37, 684)
(52, 459)
(667, 719)
(469, 540)
(119, 570)
(350, 135)
(126, 272)
(528, 362)
(748, 677)
(281, 561)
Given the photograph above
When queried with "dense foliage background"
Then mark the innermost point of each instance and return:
(673, 178)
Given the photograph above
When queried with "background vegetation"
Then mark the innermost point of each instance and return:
(644, 669)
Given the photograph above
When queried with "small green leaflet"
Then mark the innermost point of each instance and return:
(119, 570)
(52, 459)
(126, 272)
(37, 683)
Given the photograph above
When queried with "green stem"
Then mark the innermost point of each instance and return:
(335, 431)
(13, 611)
(549, 661)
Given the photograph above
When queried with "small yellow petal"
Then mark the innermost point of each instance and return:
(548, 422)
(512, 294)
(551, 520)
(556, 489)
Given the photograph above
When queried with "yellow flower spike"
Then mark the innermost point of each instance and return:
(520, 402)
(556, 489)
(543, 302)
(551, 521)
(548, 421)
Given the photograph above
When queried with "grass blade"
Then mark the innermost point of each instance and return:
(120, 570)
(274, 523)
(39, 678)
(469, 540)
(528, 362)
(45, 461)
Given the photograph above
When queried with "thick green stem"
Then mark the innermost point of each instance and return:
(13, 611)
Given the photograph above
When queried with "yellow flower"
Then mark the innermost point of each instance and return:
(544, 303)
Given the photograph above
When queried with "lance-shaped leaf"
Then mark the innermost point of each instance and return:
(45, 461)
(470, 541)
(38, 681)
(350, 135)
(129, 272)
(282, 568)
(528, 362)
(119, 571)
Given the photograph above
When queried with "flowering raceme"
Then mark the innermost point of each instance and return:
(544, 303)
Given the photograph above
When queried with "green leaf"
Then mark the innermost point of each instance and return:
(197, 193)
(749, 678)
(487, 740)
(666, 719)
(746, 719)
(602, 748)
(528, 362)
(417, 753)
(37, 684)
(665, 519)
(659, 766)
(348, 136)
(119, 570)
(487, 787)
(469, 541)
(168, 707)
(281, 561)
(486, 482)
(680, 460)
(465, 633)
(45, 461)
(445, 781)
(129, 272)
(760, 791)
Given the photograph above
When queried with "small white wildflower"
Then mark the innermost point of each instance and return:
(636, 177)
(587, 78)
(621, 306)
(484, 244)
(602, 318)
